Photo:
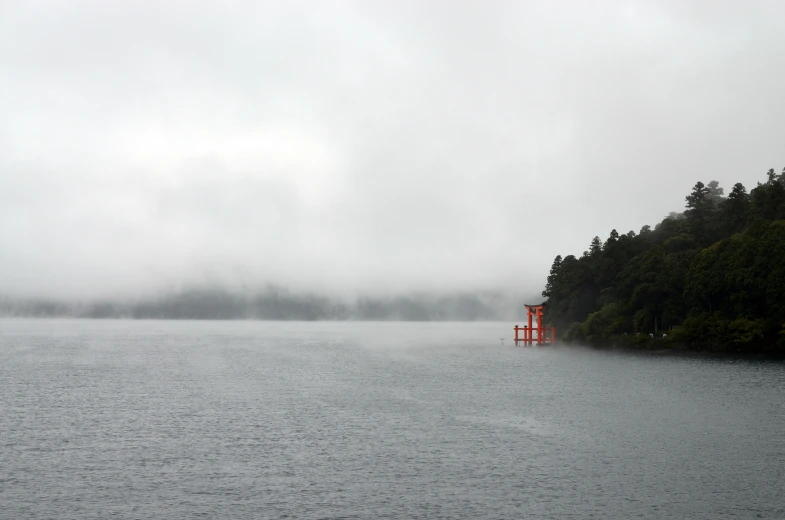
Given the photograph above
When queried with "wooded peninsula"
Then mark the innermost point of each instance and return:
(710, 278)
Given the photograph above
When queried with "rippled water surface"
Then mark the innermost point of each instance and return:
(170, 420)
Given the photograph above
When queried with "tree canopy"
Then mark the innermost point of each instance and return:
(711, 277)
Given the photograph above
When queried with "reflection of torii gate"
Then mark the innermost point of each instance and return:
(544, 336)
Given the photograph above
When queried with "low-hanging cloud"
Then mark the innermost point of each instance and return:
(364, 146)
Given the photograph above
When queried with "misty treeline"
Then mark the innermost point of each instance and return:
(709, 278)
(275, 304)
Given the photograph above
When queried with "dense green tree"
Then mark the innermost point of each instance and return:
(595, 248)
(698, 202)
(715, 194)
(712, 277)
(614, 236)
(735, 209)
(767, 201)
(552, 276)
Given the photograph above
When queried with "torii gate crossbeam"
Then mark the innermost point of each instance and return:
(544, 335)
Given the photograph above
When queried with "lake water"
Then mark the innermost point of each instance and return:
(176, 420)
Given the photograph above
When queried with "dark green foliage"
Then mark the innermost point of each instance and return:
(552, 277)
(711, 278)
(735, 210)
(595, 248)
(768, 200)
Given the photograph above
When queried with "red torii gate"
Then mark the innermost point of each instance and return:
(544, 335)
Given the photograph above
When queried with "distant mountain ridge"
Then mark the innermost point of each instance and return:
(276, 304)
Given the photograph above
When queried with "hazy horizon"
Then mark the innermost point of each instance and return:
(351, 148)
(277, 304)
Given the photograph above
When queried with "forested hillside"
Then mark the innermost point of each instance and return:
(709, 278)
(275, 303)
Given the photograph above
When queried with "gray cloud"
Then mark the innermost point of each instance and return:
(364, 146)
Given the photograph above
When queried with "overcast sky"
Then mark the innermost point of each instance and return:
(365, 146)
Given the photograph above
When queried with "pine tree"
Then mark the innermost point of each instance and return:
(715, 194)
(595, 248)
(734, 209)
(696, 201)
(552, 277)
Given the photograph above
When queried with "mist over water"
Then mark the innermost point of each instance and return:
(174, 419)
(274, 303)
(365, 148)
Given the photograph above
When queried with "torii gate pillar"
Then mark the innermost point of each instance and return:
(544, 336)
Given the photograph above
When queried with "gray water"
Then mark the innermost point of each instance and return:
(170, 420)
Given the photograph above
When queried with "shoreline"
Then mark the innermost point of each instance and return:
(677, 351)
